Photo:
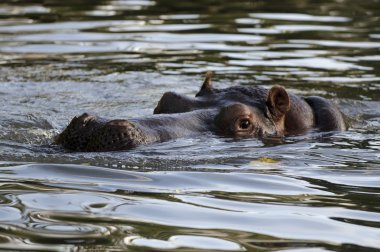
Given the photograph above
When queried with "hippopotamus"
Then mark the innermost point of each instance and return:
(237, 112)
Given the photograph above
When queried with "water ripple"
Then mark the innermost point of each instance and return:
(299, 17)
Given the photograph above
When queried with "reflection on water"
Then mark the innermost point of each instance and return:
(318, 192)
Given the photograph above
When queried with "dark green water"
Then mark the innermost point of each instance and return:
(58, 59)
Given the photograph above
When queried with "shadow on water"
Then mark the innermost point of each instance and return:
(115, 58)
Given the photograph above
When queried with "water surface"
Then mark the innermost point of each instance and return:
(318, 192)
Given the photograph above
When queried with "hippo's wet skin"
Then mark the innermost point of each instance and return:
(242, 112)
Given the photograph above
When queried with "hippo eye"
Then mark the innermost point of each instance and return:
(244, 124)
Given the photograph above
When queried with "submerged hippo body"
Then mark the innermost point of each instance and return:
(241, 112)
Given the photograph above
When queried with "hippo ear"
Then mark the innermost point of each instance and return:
(207, 85)
(278, 101)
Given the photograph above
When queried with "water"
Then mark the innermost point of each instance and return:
(319, 192)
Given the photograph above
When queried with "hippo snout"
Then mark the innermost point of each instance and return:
(90, 133)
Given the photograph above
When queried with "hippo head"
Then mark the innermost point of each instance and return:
(239, 112)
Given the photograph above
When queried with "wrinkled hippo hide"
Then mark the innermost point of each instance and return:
(239, 112)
